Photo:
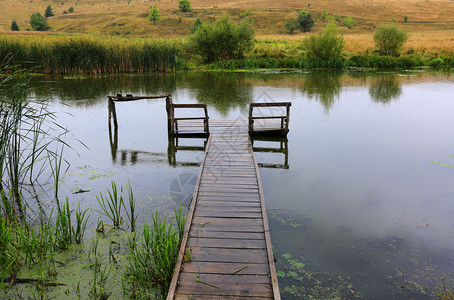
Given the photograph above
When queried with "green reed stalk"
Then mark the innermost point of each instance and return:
(111, 206)
(155, 259)
(132, 217)
(81, 224)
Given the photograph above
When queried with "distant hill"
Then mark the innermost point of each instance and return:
(432, 21)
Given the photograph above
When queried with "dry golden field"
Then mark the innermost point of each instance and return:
(430, 22)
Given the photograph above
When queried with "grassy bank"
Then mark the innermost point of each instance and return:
(88, 54)
(83, 54)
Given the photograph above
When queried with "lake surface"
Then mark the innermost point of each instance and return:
(360, 198)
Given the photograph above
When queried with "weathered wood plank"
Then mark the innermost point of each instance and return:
(217, 203)
(226, 268)
(208, 221)
(182, 296)
(227, 243)
(229, 214)
(227, 235)
(227, 209)
(228, 255)
(224, 285)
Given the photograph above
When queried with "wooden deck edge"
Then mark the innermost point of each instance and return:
(269, 248)
(184, 242)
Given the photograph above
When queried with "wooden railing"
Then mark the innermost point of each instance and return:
(284, 124)
(173, 123)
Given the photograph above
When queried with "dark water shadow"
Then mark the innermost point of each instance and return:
(221, 91)
(323, 86)
(385, 88)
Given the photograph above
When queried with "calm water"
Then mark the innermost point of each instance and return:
(360, 198)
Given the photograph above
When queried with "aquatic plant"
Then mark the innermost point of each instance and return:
(154, 260)
(81, 224)
(111, 205)
(132, 217)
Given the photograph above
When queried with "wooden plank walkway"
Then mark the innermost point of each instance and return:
(226, 250)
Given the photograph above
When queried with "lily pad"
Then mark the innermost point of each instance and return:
(292, 274)
(287, 255)
(296, 263)
(99, 176)
(280, 274)
(442, 164)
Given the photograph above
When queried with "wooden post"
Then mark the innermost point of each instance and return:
(171, 151)
(288, 118)
(112, 112)
(251, 121)
(170, 115)
(286, 153)
(206, 121)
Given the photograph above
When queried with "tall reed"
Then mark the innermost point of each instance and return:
(154, 260)
(87, 54)
(27, 131)
(111, 205)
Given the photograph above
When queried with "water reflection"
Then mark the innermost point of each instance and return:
(385, 88)
(222, 91)
(174, 146)
(88, 91)
(276, 145)
(324, 86)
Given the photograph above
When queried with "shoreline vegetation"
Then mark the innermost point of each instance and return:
(45, 242)
(88, 54)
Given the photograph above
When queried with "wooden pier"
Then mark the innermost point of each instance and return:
(226, 250)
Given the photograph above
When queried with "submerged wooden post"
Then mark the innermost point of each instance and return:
(288, 117)
(170, 115)
(112, 112)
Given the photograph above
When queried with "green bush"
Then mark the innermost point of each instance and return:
(223, 39)
(437, 62)
(184, 5)
(292, 25)
(306, 21)
(14, 26)
(349, 22)
(49, 12)
(325, 49)
(153, 15)
(323, 15)
(71, 9)
(247, 13)
(389, 40)
(37, 22)
(197, 24)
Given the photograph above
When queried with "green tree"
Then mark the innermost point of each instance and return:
(197, 24)
(14, 26)
(223, 39)
(405, 19)
(323, 15)
(37, 22)
(325, 48)
(49, 12)
(154, 15)
(306, 21)
(184, 5)
(389, 40)
(349, 22)
(292, 25)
